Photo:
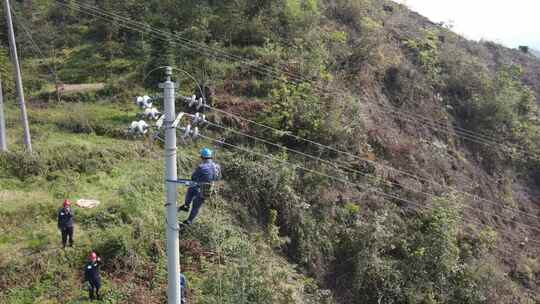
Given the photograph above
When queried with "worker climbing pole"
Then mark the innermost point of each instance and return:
(203, 178)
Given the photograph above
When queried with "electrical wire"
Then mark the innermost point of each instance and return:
(475, 197)
(335, 165)
(434, 126)
(332, 177)
(220, 141)
(303, 168)
(169, 36)
(460, 132)
(444, 129)
(185, 43)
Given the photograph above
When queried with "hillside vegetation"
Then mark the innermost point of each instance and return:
(436, 200)
(535, 53)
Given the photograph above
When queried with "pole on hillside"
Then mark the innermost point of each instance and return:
(173, 251)
(18, 77)
(3, 140)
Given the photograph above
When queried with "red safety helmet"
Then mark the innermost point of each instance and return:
(66, 203)
(93, 256)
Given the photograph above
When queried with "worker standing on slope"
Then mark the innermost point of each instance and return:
(91, 275)
(65, 224)
(206, 173)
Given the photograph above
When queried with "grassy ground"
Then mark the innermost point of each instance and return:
(80, 153)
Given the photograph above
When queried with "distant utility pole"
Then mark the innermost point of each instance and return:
(173, 251)
(3, 142)
(18, 77)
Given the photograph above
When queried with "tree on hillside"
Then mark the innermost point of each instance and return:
(161, 54)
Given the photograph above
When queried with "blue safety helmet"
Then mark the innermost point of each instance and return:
(206, 153)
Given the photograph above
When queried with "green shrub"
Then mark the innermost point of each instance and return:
(39, 241)
(113, 245)
(526, 270)
(258, 88)
(297, 109)
(506, 113)
(272, 229)
(350, 12)
(425, 53)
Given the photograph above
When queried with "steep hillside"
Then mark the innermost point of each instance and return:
(423, 184)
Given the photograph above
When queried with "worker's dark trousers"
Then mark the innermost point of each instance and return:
(94, 287)
(67, 235)
(184, 296)
(193, 194)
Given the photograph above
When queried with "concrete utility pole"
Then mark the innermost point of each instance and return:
(173, 250)
(18, 77)
(3, 140)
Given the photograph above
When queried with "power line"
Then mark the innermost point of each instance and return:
(371, 162)
(477, 222)
(333, 177)
(335, 165)
(186, 43)
(459, 132)
(463, 133)
(312, 142)
(292, 165)
(342, 152)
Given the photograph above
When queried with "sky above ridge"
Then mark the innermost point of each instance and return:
(511, 23)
